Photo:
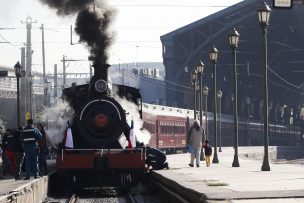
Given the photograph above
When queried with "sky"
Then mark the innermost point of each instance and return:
(137, 28)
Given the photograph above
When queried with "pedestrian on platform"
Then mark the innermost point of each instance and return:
(18, 152)
(30, 137)
(7, 143)
(208, 152)
(196, 134)
(43, 151)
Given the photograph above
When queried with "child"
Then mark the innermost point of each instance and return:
(208, 152)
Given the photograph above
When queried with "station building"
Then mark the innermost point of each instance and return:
(184, 47)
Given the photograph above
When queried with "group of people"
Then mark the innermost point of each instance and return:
(196, 136)
(24, 149)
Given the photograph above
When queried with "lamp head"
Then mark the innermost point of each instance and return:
(213, 54)
(17, 68)
(264, 14)
(234, 38)
(219, 94)
(200, 67)
(193, 75)
(205, 90)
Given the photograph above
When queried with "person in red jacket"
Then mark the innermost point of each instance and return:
(7, 144)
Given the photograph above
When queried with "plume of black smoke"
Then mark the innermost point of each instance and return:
(91, 26)
(67, 7)
(93, 31)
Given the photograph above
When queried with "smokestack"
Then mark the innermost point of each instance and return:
(99, 81)
(101, 71)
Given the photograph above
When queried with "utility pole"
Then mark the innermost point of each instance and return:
(91, 71)
(55, 82)
(63, 73)
(29, 51)
(64, 69)
(23, 88)
(28, 55)
(43, 66)
(94, 5)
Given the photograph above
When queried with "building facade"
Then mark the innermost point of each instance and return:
(184, 47)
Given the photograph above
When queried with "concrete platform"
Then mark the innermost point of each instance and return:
(222, 182)
(218, 183)
(24, 191)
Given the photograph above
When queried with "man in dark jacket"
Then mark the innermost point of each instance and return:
(156, 159)
(18, 151)
(30, 137)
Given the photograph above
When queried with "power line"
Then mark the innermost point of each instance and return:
(5, 41)
(282, 79)
(176, 5)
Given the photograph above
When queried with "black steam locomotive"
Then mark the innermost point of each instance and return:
(99, 128)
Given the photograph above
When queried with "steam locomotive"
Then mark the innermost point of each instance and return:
(100, 130)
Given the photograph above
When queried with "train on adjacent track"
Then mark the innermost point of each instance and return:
(169, 126)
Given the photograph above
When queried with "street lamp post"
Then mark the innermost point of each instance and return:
(18, 68)
(30, 80)
(200, 70)
(219, 97)
(213, 57)
(233, 41)
(264, 15)
(248, 116)
(205, 92)
(197, 96)
(193, 79)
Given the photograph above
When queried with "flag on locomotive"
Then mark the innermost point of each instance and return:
(132, 136)
(68, 136)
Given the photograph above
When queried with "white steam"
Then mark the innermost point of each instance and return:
(133, 113)
(57, 117)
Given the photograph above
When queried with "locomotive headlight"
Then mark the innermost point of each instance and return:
(101, 120)
(101, 85)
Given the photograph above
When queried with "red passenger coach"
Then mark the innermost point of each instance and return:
(168, 127)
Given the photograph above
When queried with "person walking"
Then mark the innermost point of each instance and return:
(30, 137)
(7, 144)
(196, 134)
(43, 151)
(208, 152)
(18, 152)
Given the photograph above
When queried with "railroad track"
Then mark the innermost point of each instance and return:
(130, 198)
(72, 199)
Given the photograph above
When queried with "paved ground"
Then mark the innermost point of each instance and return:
(246, 183)
(9, 183)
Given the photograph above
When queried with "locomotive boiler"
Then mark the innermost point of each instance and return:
(100, 131)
